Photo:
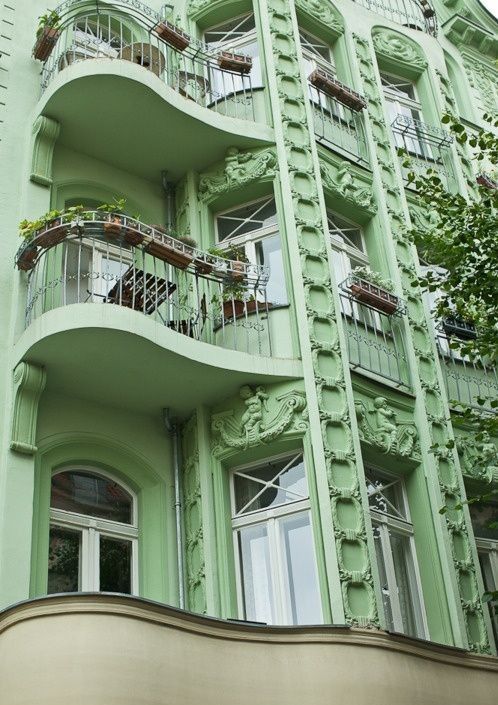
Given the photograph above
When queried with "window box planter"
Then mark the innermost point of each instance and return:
(203, 267)
(133, 237)
(234, 62)
(45, 43)
(488, 182)
(55, 233)
(168, 253)
(380, 299)
(112, 228)
(238, 271)
(233, 308)
(173, 35)
(457, 327)
(27, 258)
(335, 89)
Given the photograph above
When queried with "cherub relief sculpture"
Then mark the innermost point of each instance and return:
(479, 460)
(255, 426)
(380, 428)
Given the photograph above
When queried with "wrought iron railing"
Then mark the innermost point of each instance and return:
(337, 126)
(467, 380)
(116, 260)
(428, 147)
(417, 14)
(374, 339)
(127, 33)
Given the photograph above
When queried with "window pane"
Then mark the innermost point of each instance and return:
(115, 565)
(269, 254)
(273, 484)
(90, 494)
(490, 586)
(385, 494)
(257, 581)
(246, 219)
(301, 577)
(405, 582)
(63, 560)
(485, 520)
(384, 586)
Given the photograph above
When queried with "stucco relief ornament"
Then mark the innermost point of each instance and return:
(380, 427)
(240, 168)
(323, 12)
(479, 460)
(395, 46)
(343, 184)
(254, 426)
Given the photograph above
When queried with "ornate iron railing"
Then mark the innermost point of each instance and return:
(467, 380)
(127, 33)
(337, 126)
(374, 340)
(428, 147)
(116, 260)
(417, 14)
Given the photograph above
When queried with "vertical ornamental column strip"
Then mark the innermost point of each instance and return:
(449, 486)
(330, 400)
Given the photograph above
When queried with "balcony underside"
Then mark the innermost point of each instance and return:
(100, 649)
(124, 115)
(111, 355)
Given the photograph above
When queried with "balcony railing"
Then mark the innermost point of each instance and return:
(428, 147)
(374, 338)
(119, 261)
(417, 14)
(466, 380)
(336, 126)
(128, 33)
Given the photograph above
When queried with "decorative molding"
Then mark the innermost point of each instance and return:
(479, 460)
(379, 427)
(197, 7)
(240, 168)
(482, 78)
(397, 49)
(29, 383)
(255, 426)
(46, 132)
(465, 32)
(324, 12)
(342, 182)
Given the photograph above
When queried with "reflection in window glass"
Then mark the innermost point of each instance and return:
(90, 494)
(256, 574)
(63, 560)
(115, 565)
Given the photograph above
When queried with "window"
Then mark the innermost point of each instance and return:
(273, 540)
(93, 534)
(316, 54)
(395, 550)
(348, 243)
(237, 35)
(254, 227)
(485, 522)
(401, 99)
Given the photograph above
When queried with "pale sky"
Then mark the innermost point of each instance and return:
(491, 5)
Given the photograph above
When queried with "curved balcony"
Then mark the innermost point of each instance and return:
(114, 649)
(417, 14)
(130, 31)
(115, 260)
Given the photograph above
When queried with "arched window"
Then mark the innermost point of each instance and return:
(93, 534)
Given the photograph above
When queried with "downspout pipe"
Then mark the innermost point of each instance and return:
(174, 432)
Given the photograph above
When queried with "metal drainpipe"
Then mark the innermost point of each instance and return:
(173, 430)
(169, 190)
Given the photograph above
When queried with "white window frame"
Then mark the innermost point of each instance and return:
(387, 523)
(489, 549)
(91, 528)
(270, 518)
(419, 147)
(248, 241)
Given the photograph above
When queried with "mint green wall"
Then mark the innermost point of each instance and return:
(119, 426)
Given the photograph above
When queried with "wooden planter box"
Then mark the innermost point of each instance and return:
(133, 237)
(52, 237)
(459, 329)
(169, 254)
(27, 258)
(173, 35)
(203, 267)
(331, 86)
(234, 62)
(484, 180)
(238, 271)
(112, 229)
(374, 296)
(45, 43)
(233, 307)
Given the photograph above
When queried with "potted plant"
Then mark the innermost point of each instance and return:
(26, 258)
(133, 235)
(229, 61)
(76, 214)
(114, 220)
(54, 230)
(370, 288)
(330, 85)
(166, 250)
(47, 34)
(172, 34)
